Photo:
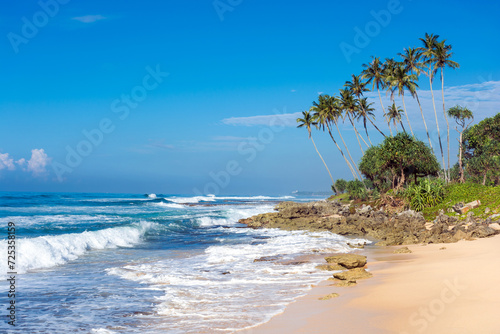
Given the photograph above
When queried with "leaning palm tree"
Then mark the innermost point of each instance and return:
(358, 87)
(394, 115)
(411, 60)
(364, 113)
(442, 55)
(335, 113)
(321, 113)
(428, 55)
(400, 79)
(389, 66)
(308, 121)
(348, 104)
(373, 72)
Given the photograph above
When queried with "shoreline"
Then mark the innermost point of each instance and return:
(437, 288)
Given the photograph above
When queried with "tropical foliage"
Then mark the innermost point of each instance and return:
(481, 145)
(425, 193)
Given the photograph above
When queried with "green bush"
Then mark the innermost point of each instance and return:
(425, 193)
(356, 190)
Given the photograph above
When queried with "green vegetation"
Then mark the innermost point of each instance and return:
(481, 145)
(465, 193)
(397, 160)
(426, 193)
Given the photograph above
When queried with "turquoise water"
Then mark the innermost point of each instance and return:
(128, 263)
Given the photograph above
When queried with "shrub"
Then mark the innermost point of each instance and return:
(425, 193)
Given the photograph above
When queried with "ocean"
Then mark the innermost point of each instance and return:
(135, 263)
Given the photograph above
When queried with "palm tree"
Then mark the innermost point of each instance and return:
(336, 113)
(307, 121)
(411, 60)
(348, 104)
(428, 55)
(358, 87)
(389, 67)
(394, 115)
(442, 55)
(401, 80)
(373, 72)
(461, 115)
(322, 115)
(365, 112)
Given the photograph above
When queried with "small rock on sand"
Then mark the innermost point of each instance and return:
(402, 250)
(329, 296)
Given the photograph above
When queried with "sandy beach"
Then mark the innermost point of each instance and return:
(439, 288)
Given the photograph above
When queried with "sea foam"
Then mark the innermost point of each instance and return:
(49, 251)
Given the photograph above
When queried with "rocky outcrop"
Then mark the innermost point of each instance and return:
(329, 296)
(403, 250)
(352, 275)
(348, 261)
(405, 228)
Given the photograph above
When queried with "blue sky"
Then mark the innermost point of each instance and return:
(70, 65)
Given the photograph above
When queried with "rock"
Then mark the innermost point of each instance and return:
(469, 206)
(329, 296)
(348, 260)
(494, 226)
(267, 258)
(442, 248)
(353, 274)
(364, 209)
(330, 267)
(343, 283)
(460, 235)
(487, 210)
(358, 246)
(402, 250)
(495, 216)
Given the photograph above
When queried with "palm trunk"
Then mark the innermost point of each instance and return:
(437, 124)
(358, 176)
(402, 126)
(425, 124)
(333, 182)
(406, 114)
(341, 152)
(377, 128)
(366, 131)
(383, 110)
(462, 177)
(447, 123)
(356, 133)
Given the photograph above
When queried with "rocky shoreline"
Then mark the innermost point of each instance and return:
(404, 228)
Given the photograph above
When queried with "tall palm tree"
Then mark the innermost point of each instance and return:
(349, 106)
(400, 79)
(411, 61)
(442, 55)
(364, 113)
(373, 72)
(394, 115)
(428, 55)
(336, 113)
(322, 115)
(358, 87)
(389, 66)
(308, 121)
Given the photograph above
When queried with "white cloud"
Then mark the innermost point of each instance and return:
(89, 18)
(21, 162)
(6, 162)
(268, 120)
(38, 162)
